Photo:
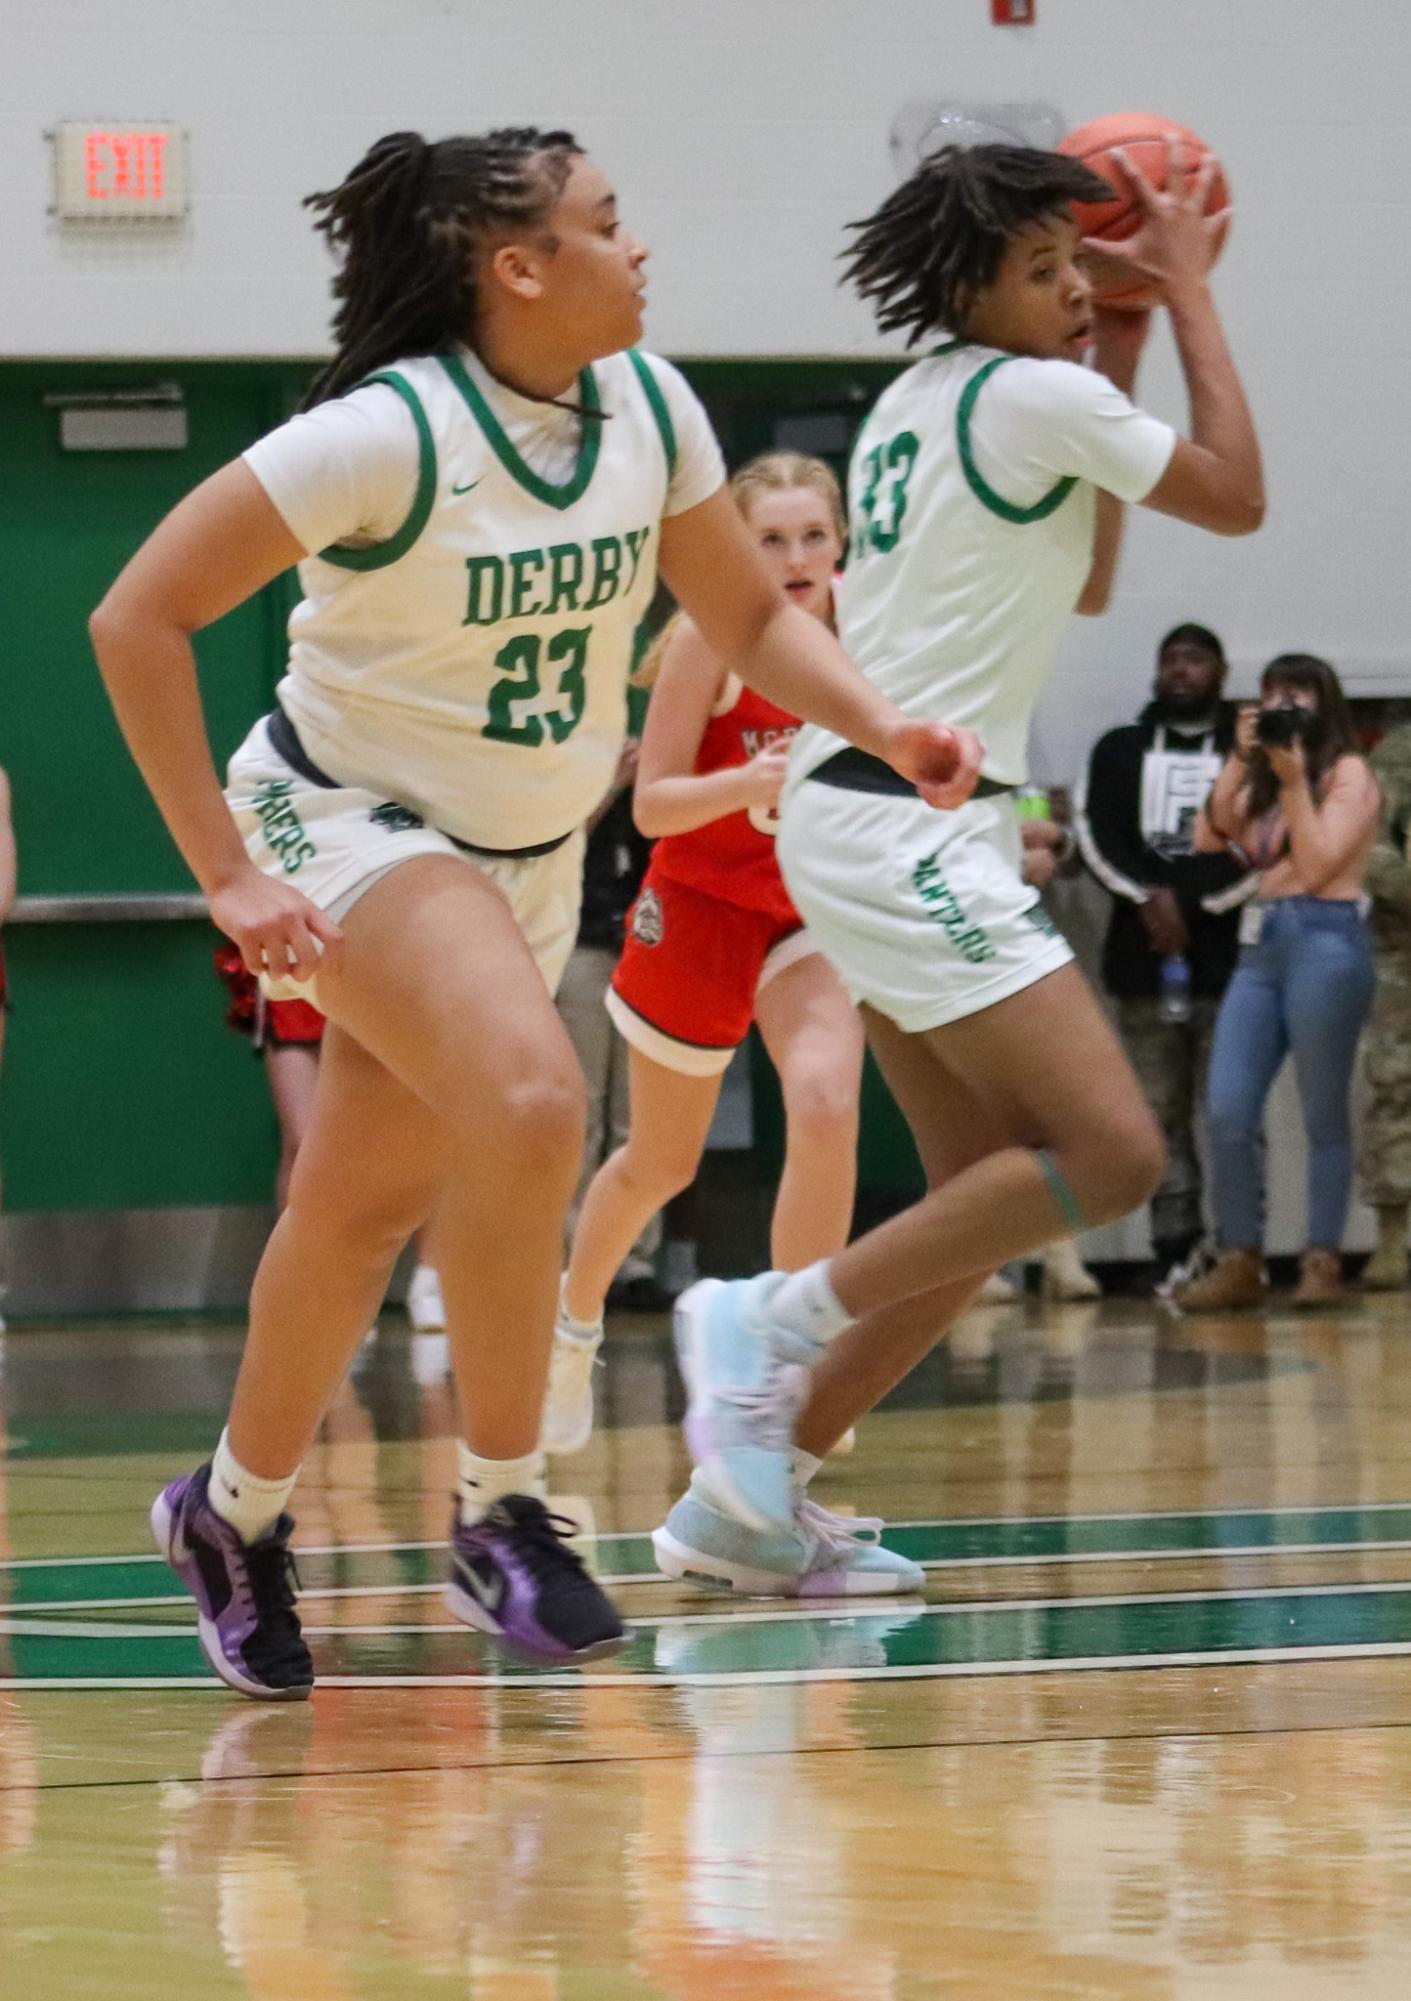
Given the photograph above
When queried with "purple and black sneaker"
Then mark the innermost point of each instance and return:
(513, 1574)
(244, 1592)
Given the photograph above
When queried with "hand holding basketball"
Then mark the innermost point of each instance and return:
(1141, 155)
(1177, 238)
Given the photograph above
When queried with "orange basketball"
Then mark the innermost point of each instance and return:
(1143, 137)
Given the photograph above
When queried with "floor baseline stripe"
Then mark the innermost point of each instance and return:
(761, 1677)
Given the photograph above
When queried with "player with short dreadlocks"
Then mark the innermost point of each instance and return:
(476, 500)
(985, 498)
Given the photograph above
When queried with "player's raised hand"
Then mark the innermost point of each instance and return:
(277, 929)
(942, 762)
(1176, 240)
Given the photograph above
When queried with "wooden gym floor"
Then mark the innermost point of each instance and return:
(1148, 1735)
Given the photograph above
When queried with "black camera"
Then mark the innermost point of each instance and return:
(1286, 724)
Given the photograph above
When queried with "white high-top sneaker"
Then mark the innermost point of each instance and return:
(568, 1406)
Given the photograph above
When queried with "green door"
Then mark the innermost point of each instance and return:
(122, 1086)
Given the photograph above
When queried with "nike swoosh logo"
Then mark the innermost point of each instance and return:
(490, 1592)
(468, 485)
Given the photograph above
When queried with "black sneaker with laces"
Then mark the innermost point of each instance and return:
(513, 1574)
(244, 1591)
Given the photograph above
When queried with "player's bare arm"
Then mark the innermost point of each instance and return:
(711, 565)
(221, 545)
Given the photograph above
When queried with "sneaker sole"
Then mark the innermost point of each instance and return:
(207, 1632)
(468, 1609)
(677, 1560)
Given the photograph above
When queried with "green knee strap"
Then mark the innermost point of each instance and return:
(1062, 1194)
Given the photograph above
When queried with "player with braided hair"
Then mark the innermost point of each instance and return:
(477, 500)
(986, 493)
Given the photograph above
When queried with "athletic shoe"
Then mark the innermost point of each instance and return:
(825, 1556)
(685, 1362)
(426, 1309)
(1065, 1276)
(513, 1575)
(568, 1404)
(747, 1389)
(996, 1291)
(244, 1592)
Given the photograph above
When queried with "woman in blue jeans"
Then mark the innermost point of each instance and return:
(1299, 804)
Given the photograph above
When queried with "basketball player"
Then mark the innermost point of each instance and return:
(714, 942)
(477, 500)
(986, 493)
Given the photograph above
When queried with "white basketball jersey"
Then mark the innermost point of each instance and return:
(474, 667)
(972, 536)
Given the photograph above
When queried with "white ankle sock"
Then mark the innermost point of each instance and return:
(579, 1330)
(804, 1303)
(251, 1505)
(804, 1468)
(482, 1482)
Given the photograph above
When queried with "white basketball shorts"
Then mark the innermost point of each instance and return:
(334, 842)
(924, 913)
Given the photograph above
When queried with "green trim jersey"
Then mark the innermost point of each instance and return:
(972, 505)
(467, 627)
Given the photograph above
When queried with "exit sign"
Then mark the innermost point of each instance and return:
(119, 172)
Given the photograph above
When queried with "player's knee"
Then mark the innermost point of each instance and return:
(1112, 1178)
(662, 1169)
(540, 1124)
(821, 1109)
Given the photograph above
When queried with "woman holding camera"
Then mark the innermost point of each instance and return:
(1298, 804)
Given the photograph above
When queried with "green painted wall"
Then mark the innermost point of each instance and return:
(121, 1085)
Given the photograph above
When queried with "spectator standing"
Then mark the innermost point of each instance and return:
(1384, 1155)
(1173, 935)
(1296, 801)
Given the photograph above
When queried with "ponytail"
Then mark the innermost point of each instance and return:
(405, 225)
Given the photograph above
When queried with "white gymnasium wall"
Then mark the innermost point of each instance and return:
(742, 134)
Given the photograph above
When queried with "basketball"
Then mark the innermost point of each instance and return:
(1142, 137)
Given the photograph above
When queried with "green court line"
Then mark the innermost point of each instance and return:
(915, 1639)
(86, 1583)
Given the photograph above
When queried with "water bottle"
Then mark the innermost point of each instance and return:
(1174, 1004)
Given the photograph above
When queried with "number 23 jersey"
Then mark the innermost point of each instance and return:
(465, 631)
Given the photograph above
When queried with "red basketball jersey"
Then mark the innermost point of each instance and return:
(733, 858)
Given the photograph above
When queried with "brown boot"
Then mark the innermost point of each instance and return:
(1388, 1269)
(1320, 1279)
(1235, 1279)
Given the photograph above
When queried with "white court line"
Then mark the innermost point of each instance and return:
(924, 1522)
(760, 1677)
(1222, 1553)
(829, 1611)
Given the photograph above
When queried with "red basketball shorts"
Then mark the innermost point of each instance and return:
(685, 986)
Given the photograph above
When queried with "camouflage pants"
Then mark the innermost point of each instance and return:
(1384, 1143)
(1171, 1059)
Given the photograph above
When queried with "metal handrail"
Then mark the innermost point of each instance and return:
(170, 907)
